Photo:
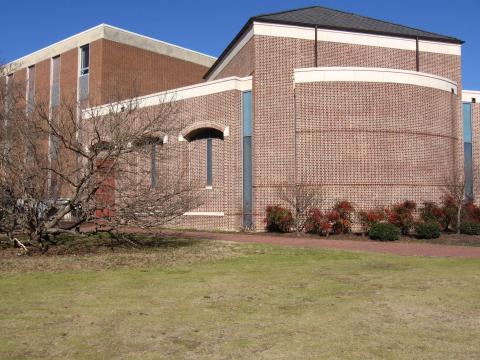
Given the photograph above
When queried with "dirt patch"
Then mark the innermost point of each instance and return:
(102, 253)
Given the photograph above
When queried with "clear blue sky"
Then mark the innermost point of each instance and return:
(209, 25)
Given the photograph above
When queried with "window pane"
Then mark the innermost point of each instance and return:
(468, 170)
(83, 87)
(209, 162)
(467, 122)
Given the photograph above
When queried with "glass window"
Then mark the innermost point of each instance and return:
(84, 59)
(467, 122)
(31, 89)
(153, 166)
(55, 86)
(209, 162)
(468, 152)
(247, 160)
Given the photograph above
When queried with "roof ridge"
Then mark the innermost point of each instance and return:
(386, 22)
(357, 15)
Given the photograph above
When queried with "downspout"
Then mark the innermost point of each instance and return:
(315, 49)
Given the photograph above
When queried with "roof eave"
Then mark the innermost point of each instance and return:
(292, 23)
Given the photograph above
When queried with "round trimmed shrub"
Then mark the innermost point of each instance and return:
(470, 228)
(384, 232)
(428, 230)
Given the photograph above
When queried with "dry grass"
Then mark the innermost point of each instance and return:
(211, 300)
(101, 252)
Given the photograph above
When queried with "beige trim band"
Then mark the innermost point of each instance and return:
(345, 37)
(376, 75)
(187, 92)
(468, 95)
(204, 213)
(108, 32)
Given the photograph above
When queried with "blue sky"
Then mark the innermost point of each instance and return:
(209, 25)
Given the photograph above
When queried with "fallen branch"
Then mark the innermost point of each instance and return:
(19, 244)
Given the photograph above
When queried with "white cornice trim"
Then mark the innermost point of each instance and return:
(297, 32)
(108, 32)
(467, 95)
(233, 52)
(187, 92)
(377, 75)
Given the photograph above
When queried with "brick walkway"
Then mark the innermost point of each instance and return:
(399, 248)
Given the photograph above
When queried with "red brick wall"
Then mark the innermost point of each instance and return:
(333, 160)
(127, 71)
(242, 64)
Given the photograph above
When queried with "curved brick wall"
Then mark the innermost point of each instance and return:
(371, 143)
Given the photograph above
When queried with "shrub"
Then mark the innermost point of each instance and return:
(278, 219)
(428, 230)
(470, 228)
(341, 216)
(449, 209)
(384, 232)
(401, 215)
(370, 218)
(432, 212)
(318, 223)
(471, 212)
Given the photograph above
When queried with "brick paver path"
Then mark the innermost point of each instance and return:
(399, 248)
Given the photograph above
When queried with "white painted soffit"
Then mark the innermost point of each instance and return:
(468, 95)
(187, 92)
(345, 37)
(104, 31)
(377, 75)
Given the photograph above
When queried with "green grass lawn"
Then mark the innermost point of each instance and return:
(242, 302)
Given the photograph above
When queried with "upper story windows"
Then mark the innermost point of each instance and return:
(55, 85)
(84, 59)
(30, 89)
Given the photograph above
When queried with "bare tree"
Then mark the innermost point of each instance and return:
(455, 190)
(62, 167)
(301, 199)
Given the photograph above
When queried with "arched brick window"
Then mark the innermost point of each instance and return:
(207, 132)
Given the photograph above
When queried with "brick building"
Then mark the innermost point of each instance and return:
(358, 108)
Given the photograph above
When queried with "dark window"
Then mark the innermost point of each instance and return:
(84, 59)
(209, 162)
(468, 152)
(247, 160)
(207, 134)
(31, 89)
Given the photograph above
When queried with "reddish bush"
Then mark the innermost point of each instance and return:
(471, 212)
(449, 209)
(341, 216)
(278, 219)
(318, 223)
(431, 212)
(370, 218)
(401, 215)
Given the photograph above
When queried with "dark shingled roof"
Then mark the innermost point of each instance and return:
(325, 18)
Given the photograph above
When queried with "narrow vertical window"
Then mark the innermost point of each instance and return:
(247, 159)
(153, 165)
(84, 59)
(209, 162)
(468, 151)
(84, 71)
(54, 105)
(30, 90)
